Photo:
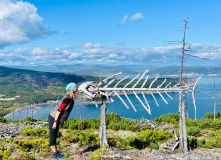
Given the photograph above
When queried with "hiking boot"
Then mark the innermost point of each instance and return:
(57, 155)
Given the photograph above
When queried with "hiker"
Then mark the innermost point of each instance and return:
(59, 114)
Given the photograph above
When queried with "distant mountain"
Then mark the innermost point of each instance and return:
(37, 78)
(22, 86)
(175, 70)
(102, 70)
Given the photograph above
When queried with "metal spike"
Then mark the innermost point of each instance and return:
(153, 82)
(145, 81)
(167, 85)
(141, 102)
(162, 83)
(145, 100)
(176, 85)
(106, 79)
(168, 95)
(129, 101)
(154, 98)
(131, 81)
(109, 83)
(162, 97)
(121, 99)
(120, 81)
(140, 79)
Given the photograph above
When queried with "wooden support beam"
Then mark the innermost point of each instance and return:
(103, 127)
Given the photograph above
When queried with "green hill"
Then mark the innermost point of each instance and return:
(28, 86)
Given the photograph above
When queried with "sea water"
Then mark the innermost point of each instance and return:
(204, 103)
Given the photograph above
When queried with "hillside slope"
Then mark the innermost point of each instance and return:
(27, 86)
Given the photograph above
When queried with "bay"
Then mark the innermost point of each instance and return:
(204, 103)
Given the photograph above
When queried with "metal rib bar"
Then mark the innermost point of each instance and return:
(121, 99)
(141, 102)
(175, 85)
(193, 95)
(167, 85)
(153, 82)
(131, 81)
(140, 79)
(181, 93)
(109, 83)
(162, 97)
(105, 80)
(194, 102)
(162, 83)
(120, 81)
(168, 95)
(145, 81)
(145, 100)
(129, 101)
(154, 99)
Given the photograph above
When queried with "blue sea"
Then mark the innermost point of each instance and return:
(204, 104)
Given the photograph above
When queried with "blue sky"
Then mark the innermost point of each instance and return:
(108, 32)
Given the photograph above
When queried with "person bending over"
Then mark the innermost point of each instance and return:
(59, 114)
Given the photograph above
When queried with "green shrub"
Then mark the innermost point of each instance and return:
(113, 121)
(211, 115)
(169, 118)
(2, 120)
(5, 154)
(192, 142)
(217, 138)
(38, 145)
(216, 125)
(153, 136)
(208, 144)
(194, 131)
(201, 142)
(205, 123)
(39, 132)
(192, 123)
(85, 137)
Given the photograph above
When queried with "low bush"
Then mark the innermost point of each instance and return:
(192, 142)
(201, 142)
(85, 137)
(31, 131)
(211, 115)
(2, 120)
(169, 118)
(154, 136)
(194, 131)
(216, 125)
(33, 145)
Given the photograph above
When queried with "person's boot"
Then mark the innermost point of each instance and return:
(57, 155)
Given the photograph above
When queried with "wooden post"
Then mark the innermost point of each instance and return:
(185, 149)
(103, 129)
(180, 126)
(180, 96)
(187, 114)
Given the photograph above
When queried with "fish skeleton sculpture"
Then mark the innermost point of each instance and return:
(90, 89)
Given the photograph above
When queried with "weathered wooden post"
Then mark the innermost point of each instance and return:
(185, 148)
(103, 128)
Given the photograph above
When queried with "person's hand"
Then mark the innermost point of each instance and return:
(54, 125)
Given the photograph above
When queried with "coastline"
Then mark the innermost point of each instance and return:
(41, 105)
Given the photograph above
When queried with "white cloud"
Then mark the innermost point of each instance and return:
(91, 45)
(19, 23)
(39, 51)
(157, 56)
(137, 16)
(124, 20)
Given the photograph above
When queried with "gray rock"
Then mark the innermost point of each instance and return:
(156, 152)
